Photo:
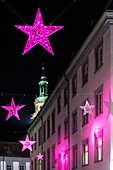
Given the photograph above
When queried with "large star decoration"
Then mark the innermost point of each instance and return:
(13, 109)
(87, 108)
(38, 33)
(40, 156)
(27, 143)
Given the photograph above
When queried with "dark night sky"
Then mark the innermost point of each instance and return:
(20, 74)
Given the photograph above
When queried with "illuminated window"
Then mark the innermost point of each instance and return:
(74, 121)
(59, 134)
(75, 156)
(99, 100)
(99, 146)
(8, 167)
(74, 85)
(53, 155)
(59, 104)
(85, 152)
(99, 56)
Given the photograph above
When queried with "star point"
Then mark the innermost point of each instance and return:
(38, 33)
(13, 109)
(27, 143)
(87, 108)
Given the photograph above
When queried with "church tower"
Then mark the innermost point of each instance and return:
(43, 94)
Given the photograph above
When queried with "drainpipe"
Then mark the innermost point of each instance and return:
(68, 110)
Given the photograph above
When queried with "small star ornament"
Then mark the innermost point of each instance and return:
(87, 108)
(40, 156)
(38, 33)
(13, 109)
(27, 144)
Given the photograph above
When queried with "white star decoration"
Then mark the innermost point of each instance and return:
(13, 109)
(38, 33)
(87, 108)
(27, 143)
(40, 156)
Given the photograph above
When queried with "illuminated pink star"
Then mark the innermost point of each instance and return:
(27, 143)
(40, 156)
(13, 109)
(87, 108)
(38, 33)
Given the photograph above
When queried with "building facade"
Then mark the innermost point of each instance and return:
(12, 158)
(68, 138)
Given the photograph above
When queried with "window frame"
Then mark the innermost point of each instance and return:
(97, 136)
(98, 101)
(53, 121)
(85, 152)
(74, 121)
(48, 127)
(53, 155)
(75, 156)
(66, 95)
(85, 72)
(98, 55)
(74, 85)
(59, 104)
(85, 118)
(59, 133)
(66, 122)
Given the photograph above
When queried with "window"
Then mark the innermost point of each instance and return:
(48, 158)
(85, 73)
(75, 156)
(48, 127)
(44, 131)
(99, 56)
(35, 163)
(99, 100)
(36, 141)
(40, 136)
(65, 128)
(21, 167)
(66, 95)
(44, 161)
(98, 136)
(84, 117)
(53, 121)
(31, 165)
(85, 152)
(74, 121)
(8, 167)
(59, 134)
(74, 85)
(59, 104)
(53, 155)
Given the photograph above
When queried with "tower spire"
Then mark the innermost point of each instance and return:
(43, 93)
